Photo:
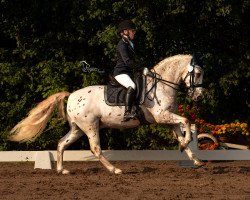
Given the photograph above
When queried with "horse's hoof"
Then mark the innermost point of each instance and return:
(63, 171)
(198, 163)
(116, 171)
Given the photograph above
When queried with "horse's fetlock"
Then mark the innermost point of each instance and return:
(181, 139)
(96, 151)
(188, 140)
(193, 157)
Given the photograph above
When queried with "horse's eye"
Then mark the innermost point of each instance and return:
(198, 75)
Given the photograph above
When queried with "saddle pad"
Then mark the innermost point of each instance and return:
(114, 95)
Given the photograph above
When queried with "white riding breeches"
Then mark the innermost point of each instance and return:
(125, 81)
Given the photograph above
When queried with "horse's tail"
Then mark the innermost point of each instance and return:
(33, 125)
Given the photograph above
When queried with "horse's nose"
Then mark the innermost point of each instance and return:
(199, 97)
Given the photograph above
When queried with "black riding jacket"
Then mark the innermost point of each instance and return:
(125, 56)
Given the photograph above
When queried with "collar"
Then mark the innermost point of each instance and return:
(126, 40)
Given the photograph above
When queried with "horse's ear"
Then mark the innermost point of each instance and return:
(193, 60)
(201, 61)
(197, 61)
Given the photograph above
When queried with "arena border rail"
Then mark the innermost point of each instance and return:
(43, 159)
(126, 155)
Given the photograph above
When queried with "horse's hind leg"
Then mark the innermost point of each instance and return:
(94, 140)
(74, 134)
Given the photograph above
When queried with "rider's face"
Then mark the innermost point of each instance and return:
(130, 33)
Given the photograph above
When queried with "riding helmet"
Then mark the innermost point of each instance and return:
(126, 24)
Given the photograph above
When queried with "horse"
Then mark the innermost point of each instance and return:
(87, 111)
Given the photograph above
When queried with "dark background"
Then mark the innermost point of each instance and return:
(42, 43)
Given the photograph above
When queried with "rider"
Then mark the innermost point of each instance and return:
(123, 71)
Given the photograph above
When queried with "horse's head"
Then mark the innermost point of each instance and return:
(193, 77)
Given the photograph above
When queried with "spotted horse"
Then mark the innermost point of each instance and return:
(87, 111)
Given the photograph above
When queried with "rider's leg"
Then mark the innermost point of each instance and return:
(127, 82)
(130, 96)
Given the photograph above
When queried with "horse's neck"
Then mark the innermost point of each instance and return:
(168, 72)
(171, 69)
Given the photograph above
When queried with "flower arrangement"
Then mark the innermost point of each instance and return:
(204, 127)
(209, 146)
(229, 129)
(232, 128)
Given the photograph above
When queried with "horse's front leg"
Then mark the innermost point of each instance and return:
(168, 117)
(189, 152)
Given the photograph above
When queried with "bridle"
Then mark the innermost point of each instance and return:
(191, 73)
(156, 78)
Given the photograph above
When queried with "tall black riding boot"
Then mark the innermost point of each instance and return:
(130, 97)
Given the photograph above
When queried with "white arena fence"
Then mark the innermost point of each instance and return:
(43, 159)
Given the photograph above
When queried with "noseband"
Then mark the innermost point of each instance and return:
(190, 73)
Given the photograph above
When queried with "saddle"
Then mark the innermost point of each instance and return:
(114, 93)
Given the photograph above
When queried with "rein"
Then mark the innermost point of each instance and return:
(165, 81)
(157, 78)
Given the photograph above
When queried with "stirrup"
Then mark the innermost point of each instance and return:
(128, 116)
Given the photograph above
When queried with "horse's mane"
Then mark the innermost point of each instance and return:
(170, 60)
